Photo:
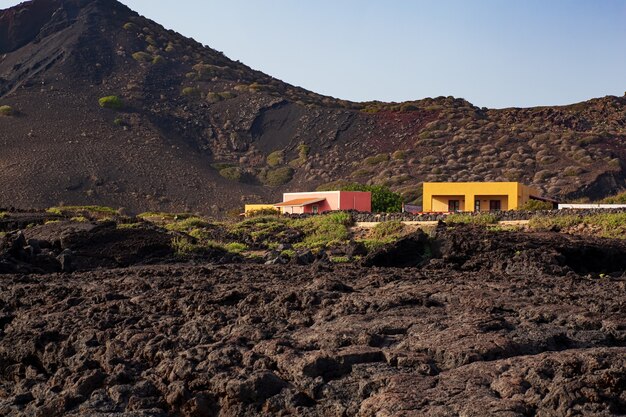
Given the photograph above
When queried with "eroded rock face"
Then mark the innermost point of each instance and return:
(248, 340)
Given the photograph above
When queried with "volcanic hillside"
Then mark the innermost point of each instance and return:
(189, 129)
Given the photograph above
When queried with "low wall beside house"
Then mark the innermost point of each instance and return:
(592, 206)
(511, 215)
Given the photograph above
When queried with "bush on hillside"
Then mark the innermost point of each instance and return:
(275, 159)
(231, 173)
(213, 97)
(111, 102)
(375, 160)
(6, 111)
(227, 95)
(383, 199)
(142, 57)
(190, 91)
(276, 177)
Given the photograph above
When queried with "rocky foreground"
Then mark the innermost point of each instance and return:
(321, 340)
(495, 324)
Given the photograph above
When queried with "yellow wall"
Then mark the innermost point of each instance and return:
(512, 195)
(249, 208)
(440, 203)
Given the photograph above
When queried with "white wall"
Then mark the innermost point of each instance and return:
(591, 206)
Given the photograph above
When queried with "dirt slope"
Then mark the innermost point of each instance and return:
(196, 128)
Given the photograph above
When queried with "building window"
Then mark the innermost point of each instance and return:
(454, 205)
(494, 205)
(316, 209)
(476, 205)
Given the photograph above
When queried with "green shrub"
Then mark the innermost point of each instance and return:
(325, 230)
(158, 60)
(129, 26)
(359, 173)
(187, 224)
(535, 205)
(213, 98)
(303, 150)
(399, 155)
(3, 214)
(303, 153)
(235, 247)
(546, 222)
(184, 246)
(616, 199)
(610, 225)
(170, 48)
(111, 102)
(375, 160)
(276, 158)
(79, 219)
(276, 177)
(160, 217)
(231, 173)
(264, 212)
(226, 95)
(142, 56)
(482, 219)
(339, 259)
(429, 160)
(383, 199)
(6, 111)
(88, 209)
(389, 229)
(373, 244)
(256, 87)
(126, 226)
(264, 231)
(207, 71)
(190, 91)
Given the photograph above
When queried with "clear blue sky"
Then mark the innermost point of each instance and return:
(495, 53)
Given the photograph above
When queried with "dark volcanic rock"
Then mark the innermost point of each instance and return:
(248, 340)
(411, 250)
(476, 248)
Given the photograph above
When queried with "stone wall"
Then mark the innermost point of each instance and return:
(501, 216)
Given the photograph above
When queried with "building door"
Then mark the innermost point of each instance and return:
(476, 205)
(454, 205)
(494, 205)
(316, 209)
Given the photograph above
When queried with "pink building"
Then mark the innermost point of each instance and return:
(319, 202)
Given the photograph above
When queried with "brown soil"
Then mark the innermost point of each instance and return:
(507, 324)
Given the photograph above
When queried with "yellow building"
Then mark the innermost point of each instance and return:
(477, 196)
(249, 209)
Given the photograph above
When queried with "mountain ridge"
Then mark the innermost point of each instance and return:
(201, 132)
